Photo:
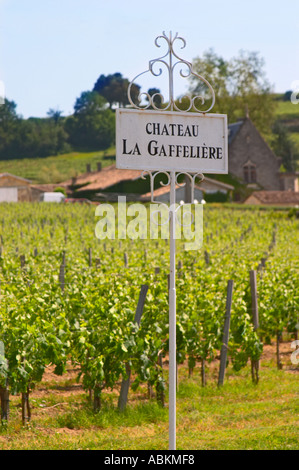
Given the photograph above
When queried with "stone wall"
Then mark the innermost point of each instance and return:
(24, 194)
(248, 145)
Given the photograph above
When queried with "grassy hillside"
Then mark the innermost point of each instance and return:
(286, 111)
(55, 169)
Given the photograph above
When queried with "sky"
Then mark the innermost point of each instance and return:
(53, 50)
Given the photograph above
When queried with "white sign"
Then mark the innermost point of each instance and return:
(178, 141)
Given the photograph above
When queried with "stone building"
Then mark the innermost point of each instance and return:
(251, 160)
(14, 188)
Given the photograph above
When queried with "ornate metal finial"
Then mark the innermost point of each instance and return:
(173, 61)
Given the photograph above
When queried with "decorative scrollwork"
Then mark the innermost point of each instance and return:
(171, 104)
(192, 177)
(152, 175)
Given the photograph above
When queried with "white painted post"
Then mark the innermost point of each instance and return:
(172, 295)
(172, 320)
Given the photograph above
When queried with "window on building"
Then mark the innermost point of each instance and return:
(249, 171)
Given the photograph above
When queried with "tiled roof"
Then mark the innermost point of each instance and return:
(158, 192)
(47, 187)
(277, 197)
(108, 176)
(14, 176)
(216, 183)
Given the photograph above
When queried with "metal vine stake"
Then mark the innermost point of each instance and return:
(173, 62)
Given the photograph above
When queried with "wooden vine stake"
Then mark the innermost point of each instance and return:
(203, 373)
(278, 361)
(255, 317)
(22, 261)
(26, 410)
(4, 398)
(224, 348)
(123, 396)
(160, 385)
(207, 258)
(4, 390)
(61, 277)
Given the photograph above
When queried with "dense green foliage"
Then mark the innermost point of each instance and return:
(89, 319)
(91, 127)
(33, 137)
(114, 88)
(241, 87)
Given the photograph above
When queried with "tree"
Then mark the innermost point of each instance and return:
(55, 115)
(89, 102)
(29, 138)
(157, 98)
(287, 95)
(114, 89)
(283, 146)
(240, 86)
(93, 124)
(38, 138)
(8, 125)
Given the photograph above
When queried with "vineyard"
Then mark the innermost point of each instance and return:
(67, 297)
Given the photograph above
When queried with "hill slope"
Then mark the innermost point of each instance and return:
(55, 169)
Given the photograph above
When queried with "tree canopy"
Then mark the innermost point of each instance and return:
(284, 147)
(240, 86)
(114, 89)
(8, 124)
(25, 138)
(92, 125)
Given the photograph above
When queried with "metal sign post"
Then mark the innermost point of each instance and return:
(166, 139)
(172, 321)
